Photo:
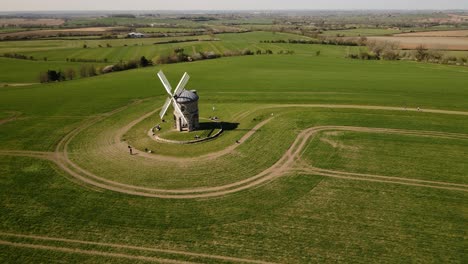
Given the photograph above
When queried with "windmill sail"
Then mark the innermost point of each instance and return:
(165, 82)
(181, 85)
(165, 107)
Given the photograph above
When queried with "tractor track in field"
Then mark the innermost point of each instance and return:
(89, 252)
(13, 117)
(286, 164)
(153, 250)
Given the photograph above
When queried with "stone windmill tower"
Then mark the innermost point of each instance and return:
(185, 104)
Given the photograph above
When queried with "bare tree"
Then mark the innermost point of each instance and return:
(70, 74)
(92, 71)
(83, 71)
(43, 77)
(421, 53)
(384, 49)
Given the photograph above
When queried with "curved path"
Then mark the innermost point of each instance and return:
(286, 164)
(12, 117)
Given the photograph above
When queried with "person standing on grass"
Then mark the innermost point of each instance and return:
(130, 149)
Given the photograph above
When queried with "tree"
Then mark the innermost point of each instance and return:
(91, 71)
(43, 78)
(83, 71)
(144, 62)
(391, 55)
(421, 53)
(53, 76)
(384, 49)
(247, 52)
(376, 47)
(133, 64)
(362, 41)
(70, 73)
(179, 51)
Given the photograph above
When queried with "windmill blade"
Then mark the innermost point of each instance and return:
(165, 82)
(181, 84)
(165, 107)
(177, 108)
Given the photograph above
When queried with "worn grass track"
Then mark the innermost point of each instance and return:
(286, 164)
(39, 242)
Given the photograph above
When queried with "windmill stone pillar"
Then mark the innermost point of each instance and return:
(188, 102)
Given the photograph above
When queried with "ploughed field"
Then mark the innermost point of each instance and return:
(438, 40)
(429, 42)
(335, 162)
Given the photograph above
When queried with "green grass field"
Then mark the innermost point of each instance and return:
(168, 30)
(26, 71)
(130, 49)
(361, 32)
(70, 191)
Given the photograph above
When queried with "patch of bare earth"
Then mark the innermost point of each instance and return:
(436, 43)
(29, 21)
(56, 32)
(444, 33)
(15, 84)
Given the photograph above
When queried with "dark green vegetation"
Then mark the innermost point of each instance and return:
(297, 218)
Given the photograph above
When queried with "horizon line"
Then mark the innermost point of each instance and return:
(233, 10)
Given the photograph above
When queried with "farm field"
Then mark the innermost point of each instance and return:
(26, 71)
(43, 33)
(168, 29)
(323, 159)
(31, 21)
(361, 32)
(442, 33)
(135, 48)
(437, 43)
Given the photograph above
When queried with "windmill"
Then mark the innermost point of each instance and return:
(184, 102)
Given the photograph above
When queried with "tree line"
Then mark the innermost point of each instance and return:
(386, 50)
(322, 40)
(91, 70)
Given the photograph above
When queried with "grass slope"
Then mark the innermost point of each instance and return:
(304, 219)
(294, 219)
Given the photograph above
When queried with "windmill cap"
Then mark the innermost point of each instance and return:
(187, 96)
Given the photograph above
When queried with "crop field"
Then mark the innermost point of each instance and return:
(442, 33)
(437, 43)
(361, 32)
(168, 29)
(31, 21)
(25, 71)
(322, 158)
(121, 49)
(43, 33)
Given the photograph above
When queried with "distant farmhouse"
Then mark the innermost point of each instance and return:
(135, 35)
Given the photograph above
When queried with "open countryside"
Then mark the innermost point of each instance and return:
(233, 137)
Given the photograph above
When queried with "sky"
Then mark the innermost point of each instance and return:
(154, 5)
